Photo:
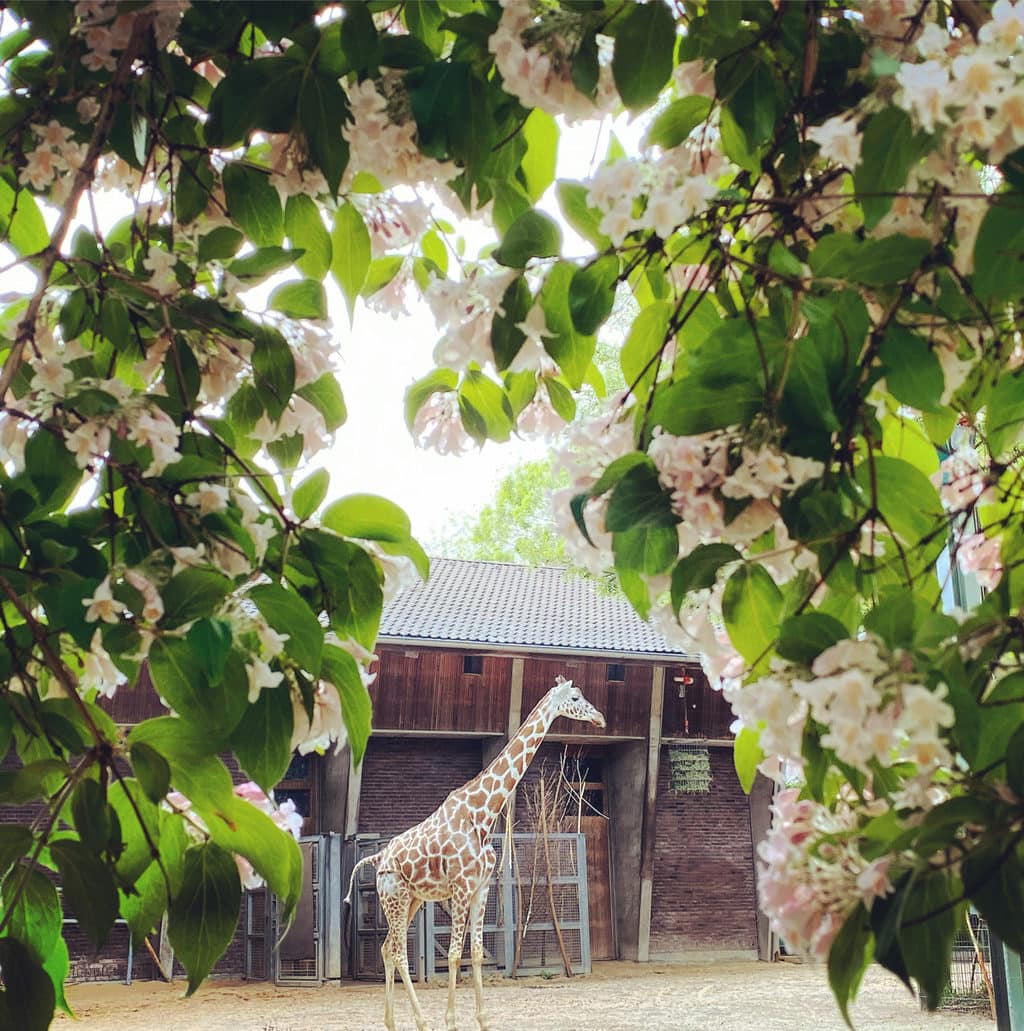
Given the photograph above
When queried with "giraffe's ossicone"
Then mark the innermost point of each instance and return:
(449, 856)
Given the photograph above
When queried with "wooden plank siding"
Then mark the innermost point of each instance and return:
(625, 704)
(427, 690)
(697, 712)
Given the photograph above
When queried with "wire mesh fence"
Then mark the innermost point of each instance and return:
(969, 977)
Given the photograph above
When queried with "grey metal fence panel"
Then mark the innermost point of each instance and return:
(298, 956)
(518, 912)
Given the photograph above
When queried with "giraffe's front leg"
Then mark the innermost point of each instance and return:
(460, 910)
(477, 911)
(397, 903)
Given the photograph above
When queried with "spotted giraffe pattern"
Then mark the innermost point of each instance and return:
(449, 856)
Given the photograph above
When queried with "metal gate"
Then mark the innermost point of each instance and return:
(299, 955)
(518, 916)
(308, 953)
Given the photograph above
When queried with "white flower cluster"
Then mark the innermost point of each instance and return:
(868, 700)
(438, 425)
(812, 873)
(55, 156)
(534, 47)
(382, 136)
(667, 191)
(465, 310)
(700, 471)
(106, 30)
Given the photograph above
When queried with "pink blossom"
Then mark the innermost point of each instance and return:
(980, 555)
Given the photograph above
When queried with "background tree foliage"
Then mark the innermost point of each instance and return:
(821, 240)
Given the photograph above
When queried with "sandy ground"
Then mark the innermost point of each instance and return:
(723, 997)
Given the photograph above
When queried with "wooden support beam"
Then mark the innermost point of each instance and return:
(647, 837)
(355, 784)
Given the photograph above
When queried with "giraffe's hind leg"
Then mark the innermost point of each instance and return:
(399, 907)
(477, 912)
(460, 910)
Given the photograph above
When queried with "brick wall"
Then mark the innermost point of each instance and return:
(406, 779)
(703, 895)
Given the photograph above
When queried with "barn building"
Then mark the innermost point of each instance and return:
(670, 837)
(464, 657)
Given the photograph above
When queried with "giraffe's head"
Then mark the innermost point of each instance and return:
(568, 700)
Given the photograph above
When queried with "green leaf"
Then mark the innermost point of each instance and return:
(532, 235)
(888, 151)
(152, 771)
(506, 337)
(308, 496)
(220, 243)
(913, 373)
(91, 816)
(753, 103)
(685, 408)
(747, 756)
(273, 370)
(193, 593)
(648, 551)
(57, 966)
(1005, 414)
(368, 517)
(305, 299)
(254, 94)
(253, 203)
(15, 841)
(288, 614)
(21, 224)
(803, 638)
(538, 165)
(699, 569)
(906, 498)
(848, 958)
(734, 143)
(130, 803)
(257, 265)
(572, 350)
(27, 1002)
(1015, 761)
(998, 250)
(677, 121)
(341, 670)
(262, 741)
(203, 914)
(642, 60)
(930, 920)
(884, 261)
(585, 220)
(752, 608)
(646, 341)
(485, 408)
(324, 394)
(350, 260)
(639, 500)
(305, 229)
(51, 468)
(323, 110)
(89, 888)
(592, 294)
(34, 916)
(994, 881)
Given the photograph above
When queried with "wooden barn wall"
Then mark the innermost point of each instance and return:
(703, 891)
(405, 779)
(626, 705)
(697, 711)
(427, 690)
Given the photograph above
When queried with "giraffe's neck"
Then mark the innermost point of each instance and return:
(512, 762)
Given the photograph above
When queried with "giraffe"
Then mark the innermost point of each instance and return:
(449, 856)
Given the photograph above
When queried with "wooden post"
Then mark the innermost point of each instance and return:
(166, 958)
(515, 718)
(647, 837)
(355, 784)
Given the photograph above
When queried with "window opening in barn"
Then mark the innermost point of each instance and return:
(689, 770)
(616, 672)
(472, 664)
(297, 784)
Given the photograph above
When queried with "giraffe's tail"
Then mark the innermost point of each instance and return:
(374, 859)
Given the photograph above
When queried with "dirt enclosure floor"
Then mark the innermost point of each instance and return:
(724, 997)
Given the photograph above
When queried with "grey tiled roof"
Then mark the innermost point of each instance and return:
(518, 607)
